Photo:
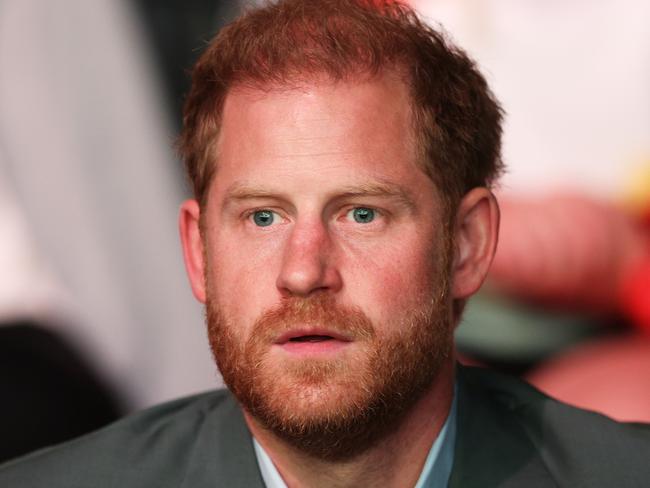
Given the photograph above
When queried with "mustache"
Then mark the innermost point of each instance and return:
(321, 311)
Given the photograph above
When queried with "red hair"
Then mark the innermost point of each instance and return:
(456, 117)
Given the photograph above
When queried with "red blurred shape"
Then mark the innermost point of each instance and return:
(635, 296)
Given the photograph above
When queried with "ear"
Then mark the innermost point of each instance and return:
(188, 223)
(476, 236)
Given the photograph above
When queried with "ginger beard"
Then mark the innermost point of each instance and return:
(334, 409)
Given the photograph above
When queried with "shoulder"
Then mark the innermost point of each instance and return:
(576, 444)
(144, 448)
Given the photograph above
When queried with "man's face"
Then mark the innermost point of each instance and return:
(326, 260)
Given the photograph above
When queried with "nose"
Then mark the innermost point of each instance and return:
(308, 265)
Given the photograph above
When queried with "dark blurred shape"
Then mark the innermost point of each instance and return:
(179, 30)
(513, 337)
(49, 394)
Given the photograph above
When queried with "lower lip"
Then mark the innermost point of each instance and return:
(313, 348)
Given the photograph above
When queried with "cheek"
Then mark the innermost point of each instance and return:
(392, 279)
(243, 276)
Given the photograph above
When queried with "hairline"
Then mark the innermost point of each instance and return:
(298, 81)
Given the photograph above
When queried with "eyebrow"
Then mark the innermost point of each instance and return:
(240, 191)
(380, 189)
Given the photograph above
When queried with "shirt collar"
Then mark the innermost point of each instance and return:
(270, 475)
(440, 460)
(435, 473)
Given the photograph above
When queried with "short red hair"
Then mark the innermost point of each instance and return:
(456, 117)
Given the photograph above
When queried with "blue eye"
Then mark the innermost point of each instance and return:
(263, 218)
(362, 215)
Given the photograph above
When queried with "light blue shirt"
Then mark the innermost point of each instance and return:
(435, 473)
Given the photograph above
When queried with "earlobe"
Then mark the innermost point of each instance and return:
(476, 236)
(188, 223)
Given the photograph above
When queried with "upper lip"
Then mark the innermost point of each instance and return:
(311, 331)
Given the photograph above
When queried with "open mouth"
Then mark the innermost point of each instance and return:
(311, 338)
(310, 343)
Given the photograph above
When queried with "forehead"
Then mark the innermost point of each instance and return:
(326, 130)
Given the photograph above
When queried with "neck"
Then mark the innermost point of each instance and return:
(395, 461)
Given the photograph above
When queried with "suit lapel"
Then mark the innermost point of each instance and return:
(223, 454)
(492, 449)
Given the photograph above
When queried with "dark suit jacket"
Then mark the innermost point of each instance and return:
(508, 435)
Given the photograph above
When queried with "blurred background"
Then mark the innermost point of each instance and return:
(96, 316)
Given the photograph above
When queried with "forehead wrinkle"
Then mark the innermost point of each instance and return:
(316, 154)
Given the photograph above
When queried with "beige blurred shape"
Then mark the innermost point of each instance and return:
(85, 146)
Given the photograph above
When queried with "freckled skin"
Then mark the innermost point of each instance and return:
(306, 145)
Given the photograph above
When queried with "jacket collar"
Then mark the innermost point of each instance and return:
(223, 453)
(492, 446)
